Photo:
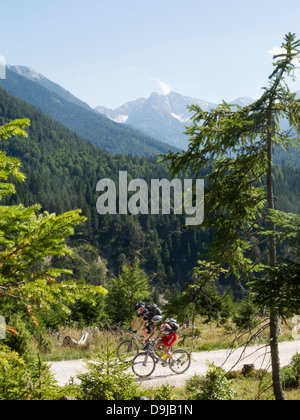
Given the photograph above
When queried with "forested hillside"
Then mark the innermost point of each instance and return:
(88, 124)
(62, 171)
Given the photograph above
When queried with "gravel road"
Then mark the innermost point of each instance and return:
(228, 359)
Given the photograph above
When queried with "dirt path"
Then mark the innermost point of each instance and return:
(228, 359)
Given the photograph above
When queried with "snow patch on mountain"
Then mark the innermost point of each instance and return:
(161, 116)
(180, 118)
(27, 72)
(121, 119)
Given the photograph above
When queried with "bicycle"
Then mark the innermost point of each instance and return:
(128, 349)
(144, 363)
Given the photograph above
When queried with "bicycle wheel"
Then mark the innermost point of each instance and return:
(182, 361)
(127, 350)
(143, 364)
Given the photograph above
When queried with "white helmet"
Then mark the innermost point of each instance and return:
(157, 318)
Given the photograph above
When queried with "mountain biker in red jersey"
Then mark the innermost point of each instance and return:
(169, 336)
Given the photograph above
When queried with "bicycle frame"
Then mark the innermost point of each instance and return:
(154, 350)
(130, 346)
(137, 337)
(144, 363)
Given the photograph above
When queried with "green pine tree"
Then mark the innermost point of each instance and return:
(28, 237)
(239, 143)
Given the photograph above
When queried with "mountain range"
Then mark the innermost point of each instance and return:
(55, 101)
(143, 127)
(62, 171)
(163, 117)
(148, 122)
(41, 80)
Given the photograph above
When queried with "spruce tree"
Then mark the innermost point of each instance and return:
(29, 239)
(239, 142)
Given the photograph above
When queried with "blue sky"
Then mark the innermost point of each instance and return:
(108, 52)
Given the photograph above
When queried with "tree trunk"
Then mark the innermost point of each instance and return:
(277, 385)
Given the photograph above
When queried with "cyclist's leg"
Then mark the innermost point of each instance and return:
(166, 350)
(146, 332)
(167, 342)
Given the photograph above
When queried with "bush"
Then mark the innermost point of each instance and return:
(195, 382)
(244, 316)
(296, 364)
(165, 392)
(289, 378)
(21, 381)
(291, 374)
(20, 342)
(12, 369)
(214, 386)
(40, 382)
(107, 378)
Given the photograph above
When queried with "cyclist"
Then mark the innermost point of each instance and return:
(146, 322)
(167, 330)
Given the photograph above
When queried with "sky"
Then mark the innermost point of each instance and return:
(108, 52)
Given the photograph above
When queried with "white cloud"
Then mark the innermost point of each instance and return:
(164, 87)
(295, 62)
(277, 51)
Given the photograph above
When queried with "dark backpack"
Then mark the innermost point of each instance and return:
(173, 324)
(154, 309)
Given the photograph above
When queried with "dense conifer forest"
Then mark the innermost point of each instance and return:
(62, 171)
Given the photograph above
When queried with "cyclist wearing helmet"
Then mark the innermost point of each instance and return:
(139, 307)
(168, 339)
(156, 319)
(146, 323)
